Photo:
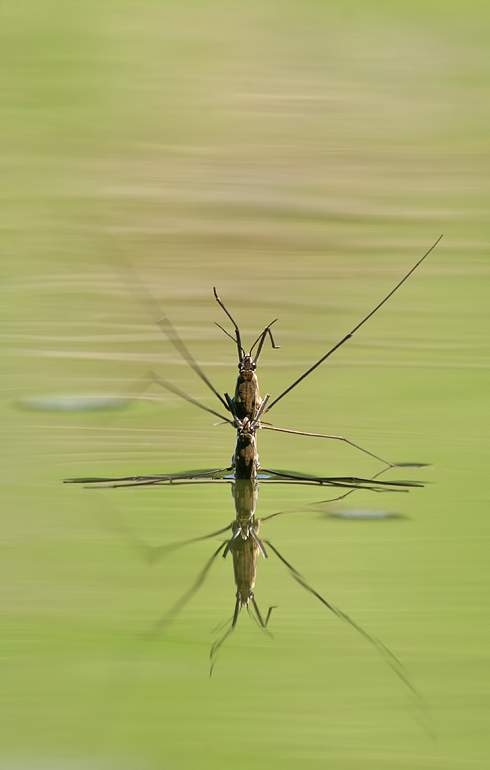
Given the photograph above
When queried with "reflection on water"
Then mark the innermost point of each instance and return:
(245, 547)
(245, 473)
(72, 403)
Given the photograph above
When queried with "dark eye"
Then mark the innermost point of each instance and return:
(240, 364)
(254, 365)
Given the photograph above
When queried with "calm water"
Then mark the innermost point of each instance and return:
(301, 162)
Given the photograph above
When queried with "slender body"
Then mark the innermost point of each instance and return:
(244, 545)
(245, 459)
(245, 548)
(245, 553)
(247, 399)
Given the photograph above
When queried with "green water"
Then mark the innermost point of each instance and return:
(301, 158)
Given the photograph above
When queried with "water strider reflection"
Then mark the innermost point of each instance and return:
(246, 546)
(245, 474)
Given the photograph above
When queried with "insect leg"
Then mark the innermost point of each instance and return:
(351, 333)
(216, 646)
(137, 288)
(169, 616)
(178, 392)
(326, 435)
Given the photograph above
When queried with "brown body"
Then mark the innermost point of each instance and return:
(246, 460)
(244, 544)
(247, 399)
(245, 553)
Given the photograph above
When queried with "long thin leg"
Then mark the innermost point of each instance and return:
(331, 500)
(342, 481)
(351, 334)
(178, 392)
(143, 481)
(156, 553)
(152, 554)
(326, 435)
(216, 646)
(178, 344)
(391, 660)
(169, 616)
(139, 291)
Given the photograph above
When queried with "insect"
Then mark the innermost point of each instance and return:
(246, 401)
(245, 412)
(247, 409)
(245, 464)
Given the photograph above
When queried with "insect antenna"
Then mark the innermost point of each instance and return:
(228, 335)
(221, 626)
(259, 619)
(238, 339)
(351, 333)
(261, 339)
(159, 552)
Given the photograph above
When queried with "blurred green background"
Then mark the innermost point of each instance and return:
(300, 156)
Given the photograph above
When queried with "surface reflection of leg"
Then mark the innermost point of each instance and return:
(390, 659)
(330, 500)
(169, 616)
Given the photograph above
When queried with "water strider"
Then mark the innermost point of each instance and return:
(247, 407)
(245, 464)
(247, 399)
(245, 546)
(245, 473)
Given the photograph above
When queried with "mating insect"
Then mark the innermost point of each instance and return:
(247, 408)
(246, 401)
(245, 464)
